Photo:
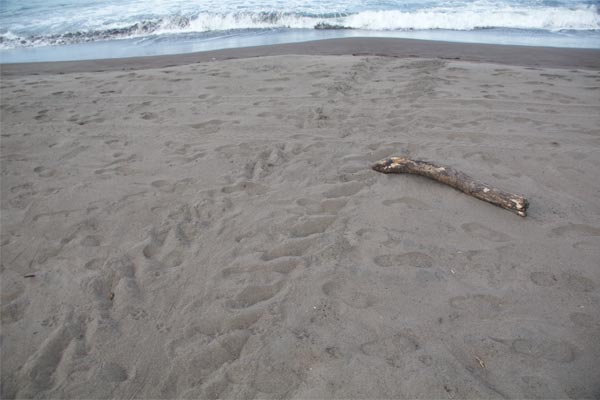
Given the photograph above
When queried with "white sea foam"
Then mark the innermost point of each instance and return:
(552, 19)
(176, 17)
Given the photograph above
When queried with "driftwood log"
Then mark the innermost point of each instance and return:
(456, 179)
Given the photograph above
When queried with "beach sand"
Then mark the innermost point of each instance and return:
(214, 230)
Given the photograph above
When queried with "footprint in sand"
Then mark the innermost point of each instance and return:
(171, 187)
(393, 349)
(408, 202)
(412, 259)
(218, 318)
(44, 172)
(537, 388)
(163, 186)
(254, 294)
(47, 363)
(157, 239)
(349, 293)
(211, 126)
(584, 320)
(250, 188)
(111, 372)
(290, 248)
(570, 281)
(344, 190)
(542, 347)
(91, 241)
(311, 225)
(148, 116)
(586, 245)
(200, 359)
(282, 265)
(576, 230)
(481, 306)
(173, 259)
(275, 378)
(327, 206)
(13, 311)
(476, 230)
(94, 264)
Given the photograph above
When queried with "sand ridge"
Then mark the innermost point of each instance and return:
(214, 230)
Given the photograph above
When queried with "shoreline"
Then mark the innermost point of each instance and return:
(525, 56)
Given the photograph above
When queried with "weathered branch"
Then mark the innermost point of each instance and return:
(455, 179)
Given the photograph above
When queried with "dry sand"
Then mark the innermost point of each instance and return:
(214, 230)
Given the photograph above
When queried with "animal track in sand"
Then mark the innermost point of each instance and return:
(569, 281)
(476, 230)
(412, 259)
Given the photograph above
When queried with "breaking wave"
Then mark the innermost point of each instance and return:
(464, 18)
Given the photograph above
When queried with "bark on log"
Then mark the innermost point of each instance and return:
(456, 179)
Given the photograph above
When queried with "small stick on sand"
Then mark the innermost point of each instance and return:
(455, 179)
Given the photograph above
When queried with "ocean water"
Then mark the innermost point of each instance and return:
(49, 30)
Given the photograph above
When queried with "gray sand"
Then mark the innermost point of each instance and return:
(214, 230)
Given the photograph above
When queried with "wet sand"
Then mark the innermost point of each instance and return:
(212, 229)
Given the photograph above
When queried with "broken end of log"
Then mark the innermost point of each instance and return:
(521, 205)
(390, 164)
